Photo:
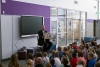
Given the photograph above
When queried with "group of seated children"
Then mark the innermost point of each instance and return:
(85, 55)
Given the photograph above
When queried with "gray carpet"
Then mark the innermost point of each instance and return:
(23, 62)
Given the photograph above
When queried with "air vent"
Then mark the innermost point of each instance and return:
(75, 2)
(95, 7)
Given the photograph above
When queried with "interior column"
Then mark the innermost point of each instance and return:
(0, 34)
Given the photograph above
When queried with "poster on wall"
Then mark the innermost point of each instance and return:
(53, 24)
(69, 29)
(69, 23)
(74, 25)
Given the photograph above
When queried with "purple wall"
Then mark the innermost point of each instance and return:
(21, 8)
(90, 20)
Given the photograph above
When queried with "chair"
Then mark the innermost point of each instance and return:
(22, 54)
(38, 46)
(87, 39)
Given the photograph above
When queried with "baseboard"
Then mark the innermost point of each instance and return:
(5, 59)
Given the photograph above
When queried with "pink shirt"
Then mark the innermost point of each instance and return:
(82, 59)
(84, 53)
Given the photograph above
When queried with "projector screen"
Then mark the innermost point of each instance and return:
(31, 24)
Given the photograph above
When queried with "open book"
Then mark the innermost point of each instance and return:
(49, 35)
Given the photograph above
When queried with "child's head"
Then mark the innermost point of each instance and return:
(1, 65)
(70, 50)
(80, 62)
(39, 60)
(56, 54)
(89, 45)
(52, 61)
(14, 57)
(65, 61)
(73, 55)
(95, 43)
(70, 45)
(90, 56)
(59, 48)
(76, 51)
(83, 46)
(48, 65)
(92, 40)
(45, 54)
(65, 49)
(53, 52)
(97, 64)
(14, 60)
(39, 54)
(80, 54)
(30, 56)
(29, 62)
(98, 53)
(97, 46)
(79, 49)
(75, 43)
(92, 50)
(83, 42)
(64, 54)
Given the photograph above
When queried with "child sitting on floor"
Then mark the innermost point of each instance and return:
(80, 63)
(30, 56)
(52, 61)
(57, 60)
(39, 60)
(73, 62)
(45, 59)
(1, 65)
(70, 54)
(60, 52)
(48, 65)
(53, 53)
(65, 62)
(65, 50)
(91, 60)
(14, 61)
(29, 63)
(97, 64)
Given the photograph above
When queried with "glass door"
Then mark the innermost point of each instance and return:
(62, 27)
(54, 29)
(73, 30)
(69, 25)
(73, 25)
(62, 34)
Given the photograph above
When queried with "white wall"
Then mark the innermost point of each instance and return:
(83, 5)
(10, 30)
(6, 38)
(27, 42)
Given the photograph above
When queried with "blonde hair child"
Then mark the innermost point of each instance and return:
(29, 63)
(80, 63)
